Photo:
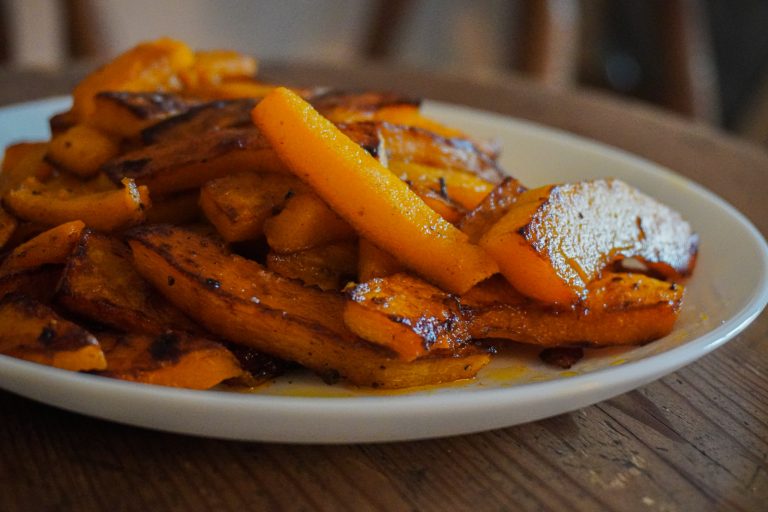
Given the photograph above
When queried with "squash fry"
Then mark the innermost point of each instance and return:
(152, 66)
(81, 150)
(492, 208)
(619, 309)
(415, 319)
(38, 283)
(21, 162)
(8, 224)
(305, 222)
(240, 301)
(463, 188)
(126, 114)
(239, 204)
(555, 240)
(417, 145)
(31, 331)
(168, 359)
(104, 211)
(50, 247)
(100, 283)
(367, 195)
(328, 267)
(211, 116)
(373, 262)
(190, 162)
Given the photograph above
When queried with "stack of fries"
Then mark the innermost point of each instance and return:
(189, 225)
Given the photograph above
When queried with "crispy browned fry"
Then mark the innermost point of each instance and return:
(8, 224)
(62, 121)
(81, 150)
(407, 315)
(350, 107)
(491, 209)
(179, 208)
(415, 318)
(105, 211)
(554, 240)
(619, 309)
(239, 204)
(50, 247)
(417, 145)
(240, 301)
(190, 162)
(375, 262)
(126, 114)
(29, 330)
(168, 359)
(21, 162)
(212, 116)
(329, 267)
(150, 66)
(305, 222)
(101, 283)
(37, 283)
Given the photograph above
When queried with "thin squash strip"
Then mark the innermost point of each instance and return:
(369, 196)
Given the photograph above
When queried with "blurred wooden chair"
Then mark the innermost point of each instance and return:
(554, 38)
(47, 32)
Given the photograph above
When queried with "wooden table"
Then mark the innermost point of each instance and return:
(695, 440)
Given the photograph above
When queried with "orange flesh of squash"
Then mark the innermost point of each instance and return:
(240, 301)
(556, 239)
(237, 205)
(31, 331)
(101, 283)
(369, 196)
(168, 359)
(103, 211)
(149, 66)
(50, 247)
(492, 208)
(328, 267)
(414, 319)
(373, 262)
(305, 222)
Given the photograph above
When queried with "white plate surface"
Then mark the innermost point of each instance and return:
(727, 292)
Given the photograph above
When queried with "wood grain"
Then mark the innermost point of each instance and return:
(694, 440)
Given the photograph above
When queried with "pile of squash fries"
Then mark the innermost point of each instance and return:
(190, 225)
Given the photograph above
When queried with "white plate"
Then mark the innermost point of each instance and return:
(728, 291)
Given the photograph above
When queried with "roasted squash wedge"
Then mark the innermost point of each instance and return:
(556, 239)
(32, 331)
(50, 247)
(239, 300)
(100, 283)
(367, 195)
(413, 318)
(168, 359)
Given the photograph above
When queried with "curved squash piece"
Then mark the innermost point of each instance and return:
(101, 283)
(416, 319)
(367, 195)
(151, 66)
(556, 239)
(50, 247)
(29, 330)
(168, 359)
(104, 211)
(239, 300)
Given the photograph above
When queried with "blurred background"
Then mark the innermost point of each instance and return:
(703, 59)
